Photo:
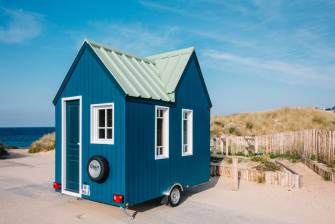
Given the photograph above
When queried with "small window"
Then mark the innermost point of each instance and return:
(102, 123)
(187, 132)
(162, 132)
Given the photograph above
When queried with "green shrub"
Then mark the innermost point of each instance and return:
(46, 143)
(259, 158)
(293, 156)
(3, 152)
(326, 177)
(239, 154)
(273, 155)
(249, 125)
(313, 157)
(219, 123)
(267, 165)
(232, 130)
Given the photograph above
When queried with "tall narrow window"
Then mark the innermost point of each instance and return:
(162, 132)
(102, 123)
(187, 132)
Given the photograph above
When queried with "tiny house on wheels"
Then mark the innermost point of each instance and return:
(130, 129)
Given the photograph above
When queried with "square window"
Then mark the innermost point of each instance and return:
(102, 123)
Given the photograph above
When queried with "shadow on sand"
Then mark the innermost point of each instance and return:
(15, 155)
(143, 207)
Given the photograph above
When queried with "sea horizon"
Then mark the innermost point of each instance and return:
(22, 137)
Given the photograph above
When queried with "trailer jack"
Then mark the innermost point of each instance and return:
(126, 211)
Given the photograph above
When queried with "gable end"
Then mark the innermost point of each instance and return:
(84, 47)
(194, 57)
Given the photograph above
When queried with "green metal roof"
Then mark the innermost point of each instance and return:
(154, 77)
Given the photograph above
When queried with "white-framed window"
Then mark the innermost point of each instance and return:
(161, 132)
(102, 123)
(187, 132)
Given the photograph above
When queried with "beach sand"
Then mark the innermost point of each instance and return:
(26, 196)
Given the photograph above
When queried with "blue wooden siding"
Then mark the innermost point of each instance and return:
(90, 80)
(147, 178)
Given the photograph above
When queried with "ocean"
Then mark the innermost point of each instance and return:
(22, 137)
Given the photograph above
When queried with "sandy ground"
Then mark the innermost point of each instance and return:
(26, 196)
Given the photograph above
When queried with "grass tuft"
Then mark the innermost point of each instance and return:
(265, 163)
(274, 121)
(46, 143)
(293, 156)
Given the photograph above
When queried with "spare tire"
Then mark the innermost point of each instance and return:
(97, 169)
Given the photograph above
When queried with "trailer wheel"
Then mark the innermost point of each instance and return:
(175, 196)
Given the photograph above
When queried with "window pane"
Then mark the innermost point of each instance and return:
(185, 148)
(101, 118)
(160, 113)
(185, 127)
(101, 133)
(109, 133)
(109, 118)
(159, 132)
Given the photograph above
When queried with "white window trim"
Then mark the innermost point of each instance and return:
(190, 153)
(166, 155)
(94, 127)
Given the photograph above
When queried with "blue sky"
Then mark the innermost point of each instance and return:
(255, 55)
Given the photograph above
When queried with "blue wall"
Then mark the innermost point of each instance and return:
(147, 178)
(90, 80)
(134, 172)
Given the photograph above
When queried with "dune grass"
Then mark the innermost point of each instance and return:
(274, 121)
(46, 143)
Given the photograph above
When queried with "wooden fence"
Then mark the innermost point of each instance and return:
(308, 143)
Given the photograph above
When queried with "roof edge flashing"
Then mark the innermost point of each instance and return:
(169, 54)
(98, 45)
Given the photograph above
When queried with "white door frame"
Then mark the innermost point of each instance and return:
(64, 100)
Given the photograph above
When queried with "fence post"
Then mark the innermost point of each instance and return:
(221, 145)
(235, 174)
(227, 146)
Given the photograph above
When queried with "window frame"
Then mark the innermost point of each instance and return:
(95, 123)
(167, 138)
(190, 132)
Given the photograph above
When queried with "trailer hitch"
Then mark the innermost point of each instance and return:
(126, 211)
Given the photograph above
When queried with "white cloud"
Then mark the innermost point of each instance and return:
(132, 37)
(186, 9)
(22, 25)
(163, 7)
(293, 71)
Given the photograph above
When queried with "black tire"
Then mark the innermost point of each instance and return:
(175, 196)
(104, 169)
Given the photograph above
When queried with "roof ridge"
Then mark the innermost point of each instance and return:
(173, 53)
(94, 43)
